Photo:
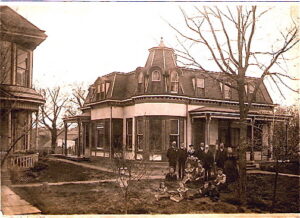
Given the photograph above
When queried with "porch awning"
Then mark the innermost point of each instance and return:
(80, 117)
(234, 113)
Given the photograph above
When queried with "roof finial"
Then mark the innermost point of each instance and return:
(161, 44)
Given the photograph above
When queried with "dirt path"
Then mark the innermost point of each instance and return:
(90, 166)
(162, 176)
(271, 173)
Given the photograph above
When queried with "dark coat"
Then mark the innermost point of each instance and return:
(230, 169)
(171, 177)
(208, 160)
(172, 154)
(199, 154)
(221, 157)
(182, 155)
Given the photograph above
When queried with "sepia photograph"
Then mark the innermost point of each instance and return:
(181, 108)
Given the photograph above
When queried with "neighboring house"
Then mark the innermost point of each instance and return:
(141, 112)
(71, 141)
(18, 100)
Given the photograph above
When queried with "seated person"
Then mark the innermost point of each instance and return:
(189, 173)
(181, 193)
(171, 175)
(199, 173)
(214, 194)
(162, 192)
(203, 191)
(220, 179)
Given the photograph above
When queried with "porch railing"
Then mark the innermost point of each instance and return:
(23, 161)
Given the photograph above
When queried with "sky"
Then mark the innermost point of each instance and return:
(88, 40)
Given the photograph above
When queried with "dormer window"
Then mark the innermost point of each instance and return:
(227, 92)
(156, 75)
(200, 85)
(140, 82)
(174, 82)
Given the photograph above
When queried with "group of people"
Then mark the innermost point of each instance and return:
(195, 166)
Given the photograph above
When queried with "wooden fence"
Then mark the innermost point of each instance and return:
(23, 161)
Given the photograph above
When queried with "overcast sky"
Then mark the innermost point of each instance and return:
(87, 40)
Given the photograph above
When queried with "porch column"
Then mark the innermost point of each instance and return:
(79, 139)
(9, 131)
(66, 139)
(286, 138)
(36, 130)
(90, 137)
(271, 127)
(252, 139)
(110, 134)
(208, 119)
(133, 135)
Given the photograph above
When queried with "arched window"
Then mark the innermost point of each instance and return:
(174, 82)
(156, 75)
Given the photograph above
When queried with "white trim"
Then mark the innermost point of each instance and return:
(179, 96)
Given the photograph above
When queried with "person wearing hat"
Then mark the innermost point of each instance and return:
(172, 155)
(221, 156)
(208, 160)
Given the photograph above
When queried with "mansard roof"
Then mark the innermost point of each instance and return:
(15, 28)
(124, 86)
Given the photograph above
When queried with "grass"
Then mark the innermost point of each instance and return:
(106, 198)
(49, 170)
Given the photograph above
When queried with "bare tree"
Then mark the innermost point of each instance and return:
(51, 112)
(127, 172)
(228, 37)
(76, 101)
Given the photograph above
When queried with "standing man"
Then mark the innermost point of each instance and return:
(200, 152)
(208, 160)
(172, 155)
(182, 156)
(221, 156)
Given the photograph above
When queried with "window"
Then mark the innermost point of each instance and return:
(155, 134)
(107, 85)
(140, 82)
(227, 93)
(251, 89)
(156, 75)
(174, 82)
(5, 63)
(22, 76)
(100, 135)
(200, 87)
(102, 93)
(140, 134)
(174, 133)
(129, 134)
(200, 83)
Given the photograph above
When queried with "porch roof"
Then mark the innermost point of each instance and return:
(80, 117)
(234, 113)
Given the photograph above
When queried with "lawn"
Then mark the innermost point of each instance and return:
(48, 170)
(106, 198)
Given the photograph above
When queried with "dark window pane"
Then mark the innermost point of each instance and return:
(140, 126)
(155, 139)
(174, 127)
(140, 142)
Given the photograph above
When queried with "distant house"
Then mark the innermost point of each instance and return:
(18, 99)
(140, 113)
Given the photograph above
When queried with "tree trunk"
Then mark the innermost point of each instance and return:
(242, 163)
(242, 141)
(53, 140)
(275, 187)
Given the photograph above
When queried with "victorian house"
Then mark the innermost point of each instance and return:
(140, 113)
(18, 100)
